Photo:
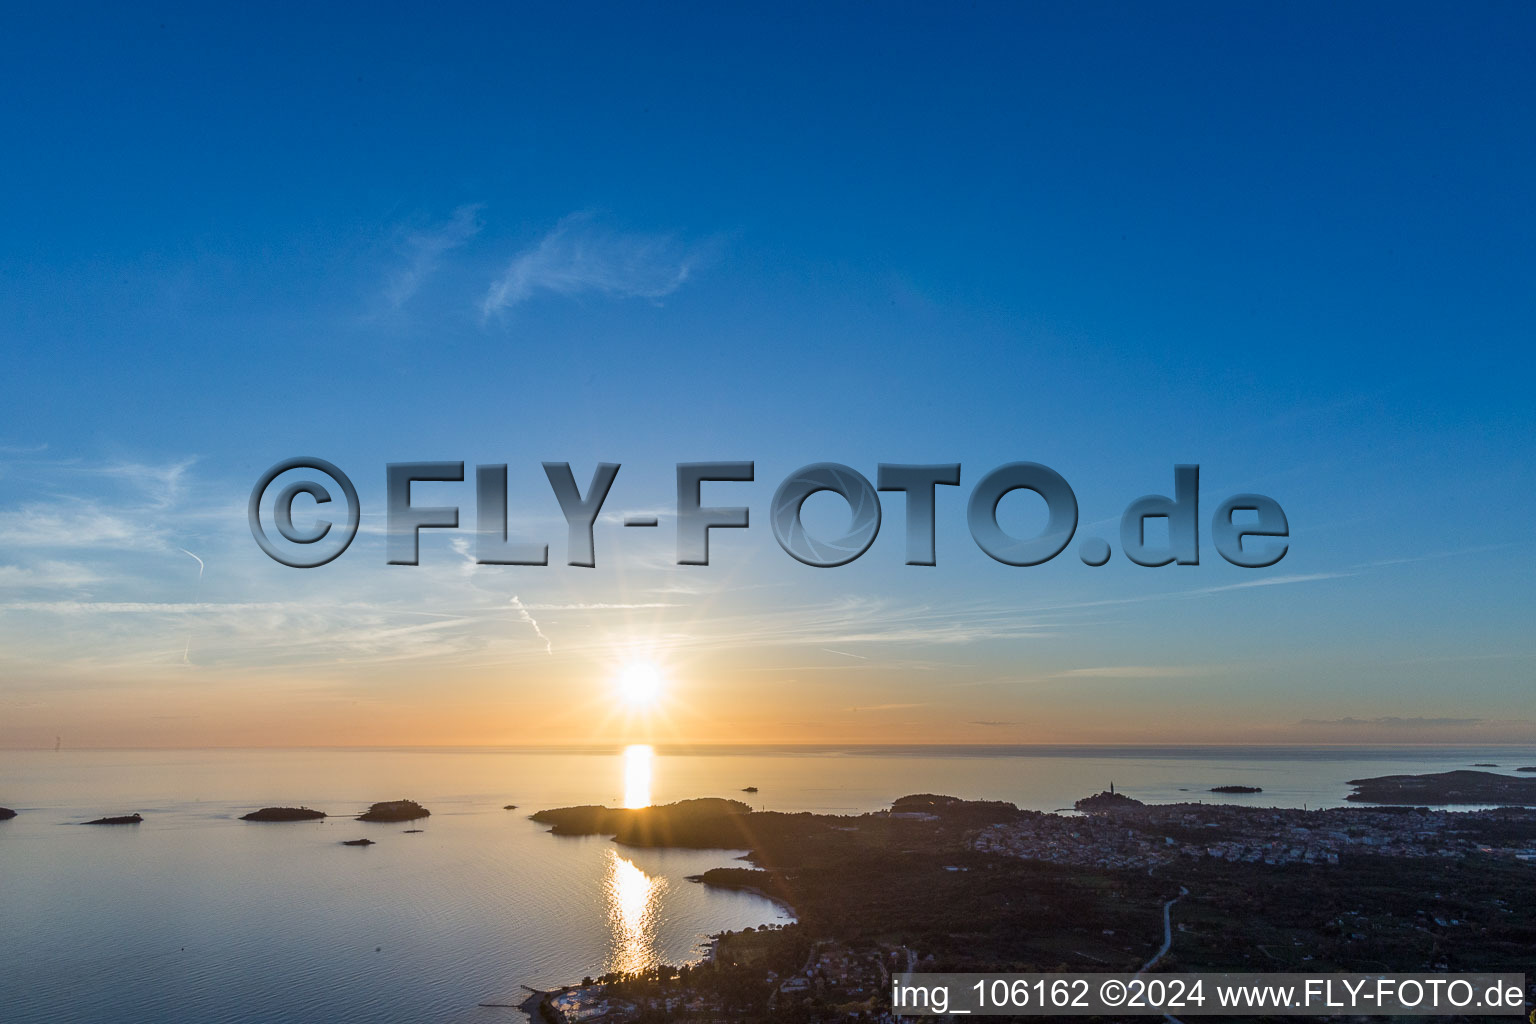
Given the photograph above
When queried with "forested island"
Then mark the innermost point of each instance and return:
(394, 810)
(1457, 787)
(283, 814)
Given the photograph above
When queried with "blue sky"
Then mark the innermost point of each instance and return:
(1292, 245)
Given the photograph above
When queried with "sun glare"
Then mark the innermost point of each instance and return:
(639, 684)
(637, 775)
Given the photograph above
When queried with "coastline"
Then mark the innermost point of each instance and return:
(533, 1006)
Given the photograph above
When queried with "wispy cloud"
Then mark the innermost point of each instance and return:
(1275, 581)
(163, 484)
(424, 250)
(1393, 722)
(47, 574)
(1135, 672)
(580, 257)
(75, 523)
(887, 707)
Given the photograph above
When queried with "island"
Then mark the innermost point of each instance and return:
(1527, 768)
(394, 810)
(705, 823)
(509, 807)
(6, 814)
(1485, 764)
(1457, 787)
(121, 819)
(749, 789)
(283, 814)
(938, 883)
(1236, 789)
(357, 842)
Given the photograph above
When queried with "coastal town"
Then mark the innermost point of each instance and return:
(1149, 836)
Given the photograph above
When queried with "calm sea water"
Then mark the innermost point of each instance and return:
(195, 916)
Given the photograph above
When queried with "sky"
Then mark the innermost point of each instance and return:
(1291, 244)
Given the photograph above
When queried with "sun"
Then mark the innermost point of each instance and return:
(639, 684)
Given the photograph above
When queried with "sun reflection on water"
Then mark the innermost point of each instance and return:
(634, 899)
(637, 775)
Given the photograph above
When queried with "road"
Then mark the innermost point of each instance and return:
(1167, 931)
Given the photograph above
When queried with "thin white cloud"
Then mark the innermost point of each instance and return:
(47, 574)
(1393, 722)
(604, 606)
(162, 484)
(80, 523)
(1276, 581)
(424, 251)
(579, 257)
(1135, 672)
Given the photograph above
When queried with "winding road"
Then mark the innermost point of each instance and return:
(1167, 931)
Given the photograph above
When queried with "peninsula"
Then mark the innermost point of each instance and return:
(937, 883)
(1457, 787)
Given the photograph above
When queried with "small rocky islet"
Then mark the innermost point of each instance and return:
(6, 814)
(284, 814)
(118, 819)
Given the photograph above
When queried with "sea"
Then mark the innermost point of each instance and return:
(196, 916)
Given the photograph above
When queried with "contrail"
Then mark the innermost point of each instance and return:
(527, 617)
(186, 653)
(845, 654)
